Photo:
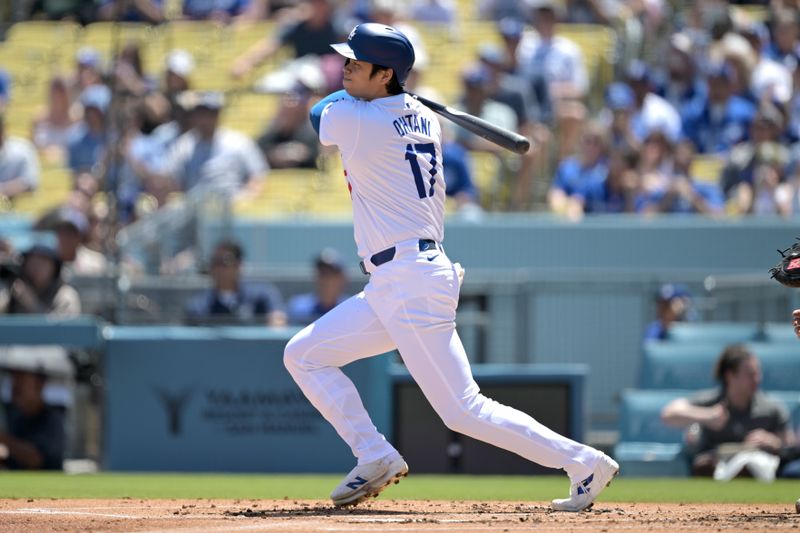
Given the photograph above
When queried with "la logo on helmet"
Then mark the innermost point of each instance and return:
(352, 33)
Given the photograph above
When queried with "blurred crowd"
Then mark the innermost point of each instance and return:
(689, 82)
(696, 111)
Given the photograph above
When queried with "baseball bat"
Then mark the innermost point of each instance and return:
(500, 136)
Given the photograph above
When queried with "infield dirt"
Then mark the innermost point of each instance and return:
(200, 516)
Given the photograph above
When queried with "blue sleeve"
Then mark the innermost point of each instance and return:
(319, 107)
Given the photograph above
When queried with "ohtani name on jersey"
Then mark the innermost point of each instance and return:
(412, 124)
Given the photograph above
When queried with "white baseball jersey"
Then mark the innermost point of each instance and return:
(391, 149)
(392, 155)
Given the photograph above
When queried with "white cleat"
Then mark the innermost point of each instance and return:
(583, 494)
(369, 480)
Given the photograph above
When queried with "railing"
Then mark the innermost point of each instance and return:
(152, 244)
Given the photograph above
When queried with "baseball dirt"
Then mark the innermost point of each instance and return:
(201, 516)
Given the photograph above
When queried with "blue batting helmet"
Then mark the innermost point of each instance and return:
(381, 45)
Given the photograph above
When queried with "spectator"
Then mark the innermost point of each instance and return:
(88, 71)
(796, 322)
(442, 12)
(39, 287)
(290, 141)
(736, 412)
(722, 121)
(87, 140)
(51, 129)
(35, 435)
(500, 9)
(651, 112)
(683, 194)
(591, 11)
(770, 79)
(656, 164)
(149, 11)
(222, 11)
(390, 13)
(212, 156)
(83, 11)
(767, 195)
(520, 96)
(576, 173)
(746, 157)
(179, 65)
(232, 301)
(672, 305)
(180, 112)
(137, 157)
(510, 30)
(684, 88)
(617, 192)
(475, 101)
(5, 89)
(330, 284)
(19, 165)
(621, 103)
(559, 62)
(72, 229)
(459, 184)
(784, 46)
(128, 72)
(312, 34)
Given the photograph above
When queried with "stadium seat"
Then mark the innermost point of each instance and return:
(713, 332)
(779, 332)
(706, 168)
(792, 402)
(646, 446)
(667, 365)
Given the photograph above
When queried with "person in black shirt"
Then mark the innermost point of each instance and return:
(737, 412)
(231, 301)
(35, 436)
(311, 35)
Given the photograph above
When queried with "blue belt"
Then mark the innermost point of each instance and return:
(384, 256)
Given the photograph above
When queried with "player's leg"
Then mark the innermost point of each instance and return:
(313, 357)
(349, 332)
(420, 320)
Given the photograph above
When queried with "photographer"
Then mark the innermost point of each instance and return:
(37, 286)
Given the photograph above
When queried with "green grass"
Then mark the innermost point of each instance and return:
(416, 487)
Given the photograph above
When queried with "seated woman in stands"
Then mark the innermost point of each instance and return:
(735, 419)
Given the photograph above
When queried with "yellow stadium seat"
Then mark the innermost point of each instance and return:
(43, 33)
(707, 168)
(250, 113)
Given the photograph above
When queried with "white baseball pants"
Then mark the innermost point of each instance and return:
(410, 304)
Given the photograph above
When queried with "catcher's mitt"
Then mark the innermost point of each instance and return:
(787, 271)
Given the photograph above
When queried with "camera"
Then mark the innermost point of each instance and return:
(9, 272)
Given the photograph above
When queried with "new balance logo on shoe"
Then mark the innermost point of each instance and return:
(353, 485)
(583, 488)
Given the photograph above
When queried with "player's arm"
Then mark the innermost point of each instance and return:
(681, 413)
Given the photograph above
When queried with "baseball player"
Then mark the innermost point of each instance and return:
(390, 146)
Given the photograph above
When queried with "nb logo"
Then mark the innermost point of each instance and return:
(583, 487)
(353, 485)
(431, 258)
